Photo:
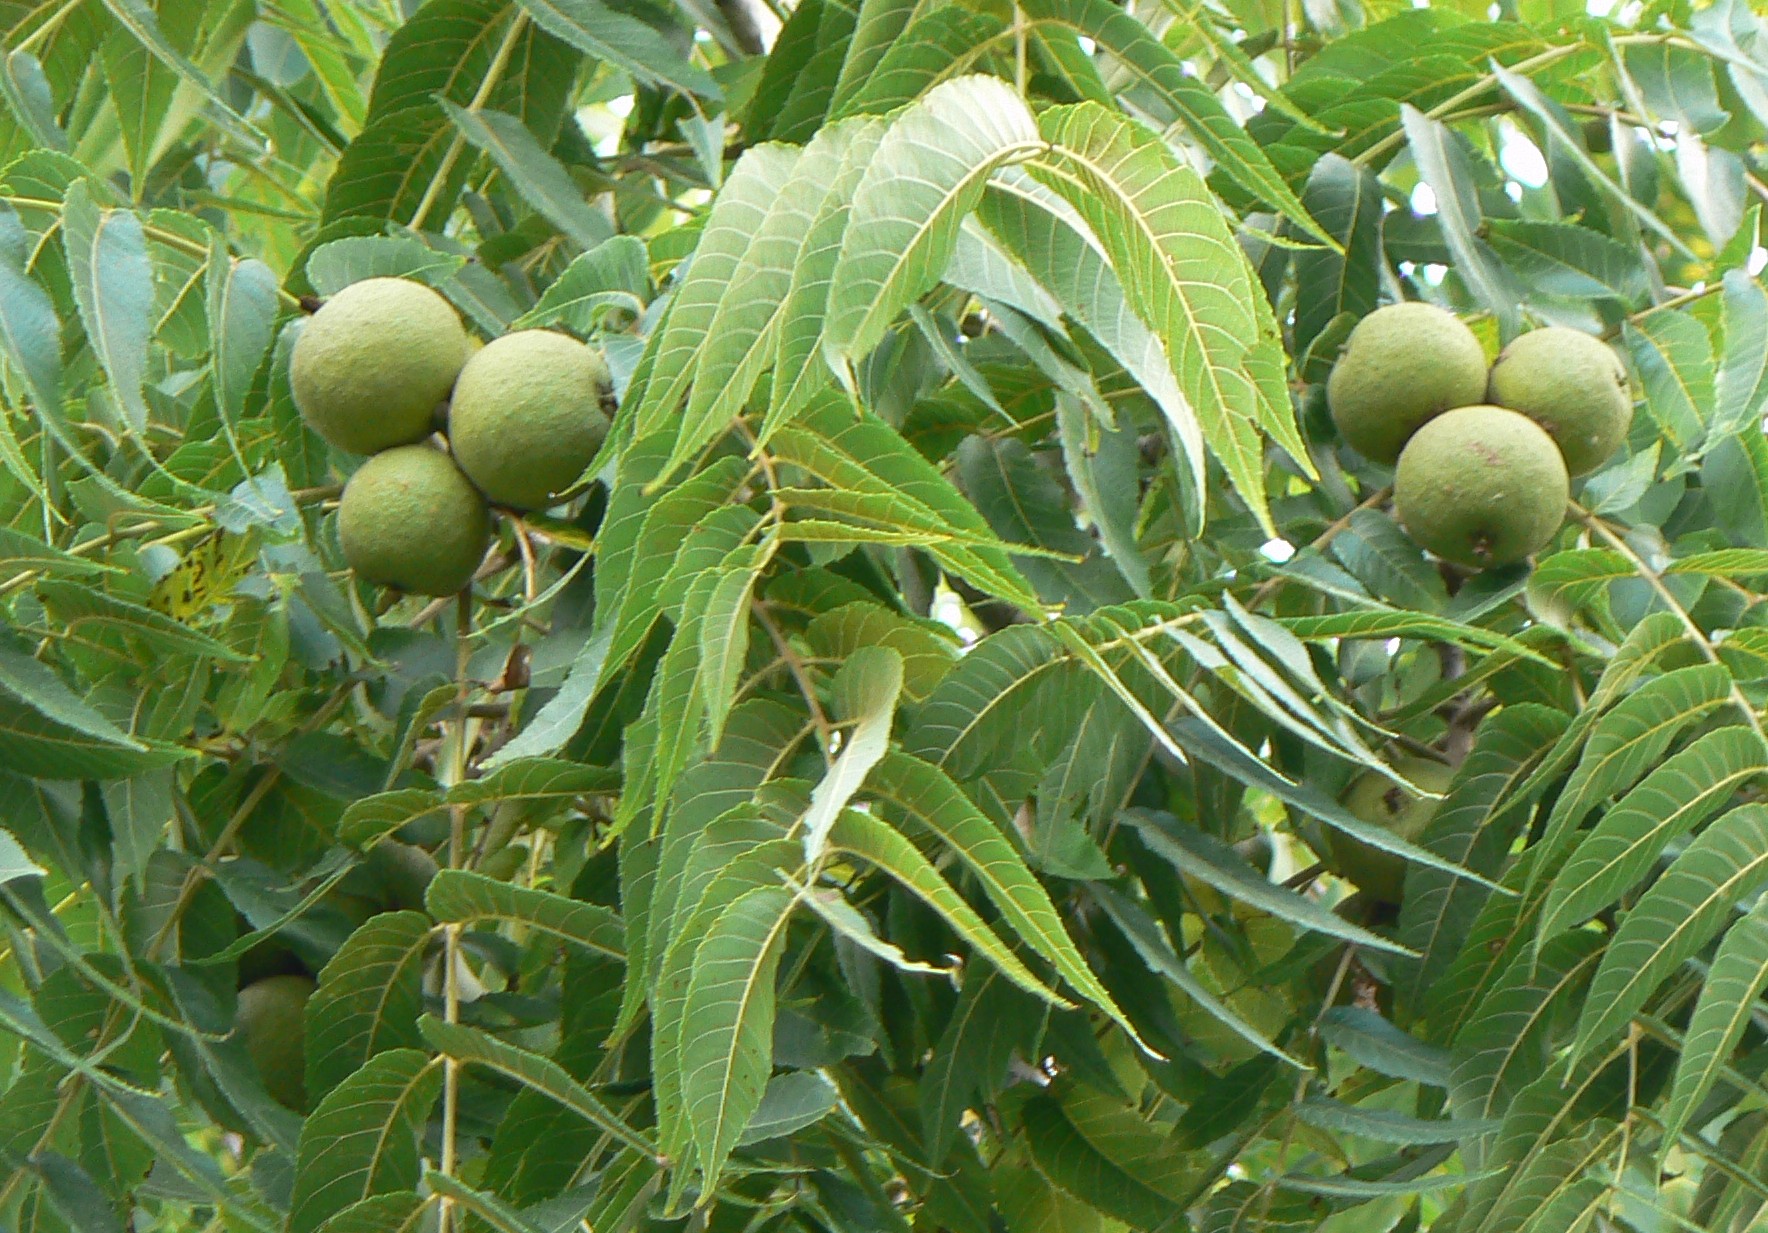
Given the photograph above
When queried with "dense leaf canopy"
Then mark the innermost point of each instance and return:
(902, 783)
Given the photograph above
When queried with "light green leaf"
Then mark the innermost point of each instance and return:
(556, 721)
(799, 371)
(738, 215)
(1564, 139)
(534, 781)
(635, 554)
(862, 454)
(242, 321)
(675, 707)
(867, 688)
(15, 863)
(1026, 505)
(615, 275)
(939, 43)
(27, 92)
(140, 809)
(1723, 563)
(1740, 387)
(1444, 165)
(1567, 580)
(1102, 466)
(30, 342)
(738, 855)
(372, 818)
(335, 265)
(851, 925)
(927, 173)
(143, 24)
(927, 647)
(742, 338)
(1185, 278)
(1143, 57)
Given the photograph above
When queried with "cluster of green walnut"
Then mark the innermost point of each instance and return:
(386, 368)
(1482, 459)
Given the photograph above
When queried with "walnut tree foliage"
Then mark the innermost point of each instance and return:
(888, 794)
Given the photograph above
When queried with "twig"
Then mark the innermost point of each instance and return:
(457, 826)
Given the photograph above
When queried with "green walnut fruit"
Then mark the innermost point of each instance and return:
(370, 367)
(270, 1023)
(1402, 366)
(403, 872)
(1378, 800)
(527, 416)
(1481, 486)
(409, 519)
(1570, 384)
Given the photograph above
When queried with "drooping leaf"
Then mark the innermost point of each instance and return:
(927, 173)
(1683, 791)
(730, 1001)
(1185, 279)
(927, 796)
(867, 688)
(1674, 357)
(1735, 981)
(1626, 741)
(1675, 918)
(531, 171)
(113, 285)
(738, 214)
(368, 1000)
(469, 1045)
(362, 1139)
(620, 38)
(860, 834)
(461, 896)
